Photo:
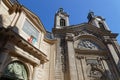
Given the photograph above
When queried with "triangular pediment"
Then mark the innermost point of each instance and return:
(33, 18)
(18, 8)
(88, 28)
(75, 29)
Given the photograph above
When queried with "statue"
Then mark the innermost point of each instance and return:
(94, 73)
(16, 70)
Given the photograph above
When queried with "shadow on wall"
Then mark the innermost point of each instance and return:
(4, 39)
(15, 29)
(1, 21)
(10, 69)
(118, 64)
(15, 69)
(1, 35)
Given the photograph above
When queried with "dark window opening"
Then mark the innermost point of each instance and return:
(9, 78)
(62, 22)
(101, 25)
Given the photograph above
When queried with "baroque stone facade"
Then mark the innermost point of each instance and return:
(87, 51)
(26, 50)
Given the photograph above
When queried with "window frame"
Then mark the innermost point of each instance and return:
(62, 22)
(33, 26)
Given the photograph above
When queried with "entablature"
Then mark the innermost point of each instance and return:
(90, 52)
(86, 29)
(18, 41)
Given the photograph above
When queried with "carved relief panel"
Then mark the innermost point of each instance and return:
(88, 44)
(91, 58)
(91, 67)
(95, 69)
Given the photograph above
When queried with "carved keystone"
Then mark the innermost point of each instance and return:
(69, 36)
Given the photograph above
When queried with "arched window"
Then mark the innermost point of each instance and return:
(62, 22)
(15, 71)
(101, 25)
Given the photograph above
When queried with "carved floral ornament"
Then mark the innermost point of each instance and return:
(95, 74)
(83, 33)
(94, 67)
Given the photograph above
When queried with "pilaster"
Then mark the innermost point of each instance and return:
(71, 58)
(59, 75)
(114, 55)
(37, 73)
(116, 46)
(80, 68)
(108, 72)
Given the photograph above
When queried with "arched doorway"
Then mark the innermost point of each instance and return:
(15, 71)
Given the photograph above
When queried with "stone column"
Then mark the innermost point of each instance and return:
(116, 45)
(115, 58)
(80, 68)
(71, 59)
(37, 73)
(59, 75)
(84, 66)
(113, 53)
(108, 70)
(34, 73)
(3, 58)
(117, 49)
(15, 19)
(112, 50)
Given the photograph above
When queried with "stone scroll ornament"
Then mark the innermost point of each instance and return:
(95, 73)
(16, 71)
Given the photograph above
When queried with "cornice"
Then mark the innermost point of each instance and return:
(50, 41)
(33, 18)
(12, 7)
(18, 8)
(84, 27)
(7, 3)
(90, 52)
(23, 44)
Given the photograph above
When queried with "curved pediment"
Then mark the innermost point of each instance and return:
(89, 43)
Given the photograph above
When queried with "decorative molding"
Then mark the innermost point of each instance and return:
(79, 56)
(17, 40)
(69, 36)
(87, 44)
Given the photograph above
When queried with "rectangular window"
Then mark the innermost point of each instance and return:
(30, 30)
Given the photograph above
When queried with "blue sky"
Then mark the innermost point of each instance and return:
(77, 9)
